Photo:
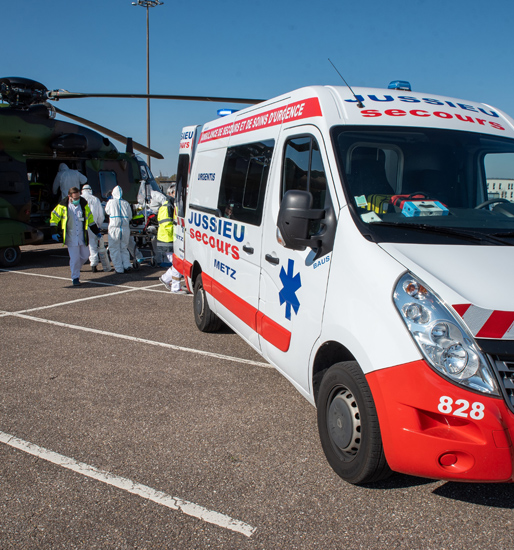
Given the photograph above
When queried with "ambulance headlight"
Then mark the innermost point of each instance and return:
(444, 340)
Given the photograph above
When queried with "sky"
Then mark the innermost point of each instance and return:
(254, 49)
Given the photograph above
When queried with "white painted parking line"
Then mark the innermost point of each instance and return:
(77, 301)
(139, 340)
(151, 288)
(35, 274)
(186, 507)
(126, 289)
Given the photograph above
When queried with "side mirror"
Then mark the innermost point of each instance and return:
(294, 219)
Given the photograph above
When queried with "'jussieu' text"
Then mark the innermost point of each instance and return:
(214, 228)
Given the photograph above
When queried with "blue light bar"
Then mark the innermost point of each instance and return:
(400, 85)
(225, 112)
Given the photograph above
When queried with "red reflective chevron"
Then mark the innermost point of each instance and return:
(487, 323)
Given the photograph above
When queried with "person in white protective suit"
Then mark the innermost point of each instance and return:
(66, 179)
(149, 197)
(157, 199)
(97, 251)
(120, 214)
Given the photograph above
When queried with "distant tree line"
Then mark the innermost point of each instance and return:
(165, 179)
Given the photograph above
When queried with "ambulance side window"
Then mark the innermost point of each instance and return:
(303, 170)
(181, 193)
(243, 181)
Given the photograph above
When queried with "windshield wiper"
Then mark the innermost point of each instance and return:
(469, 235)
(506, 234)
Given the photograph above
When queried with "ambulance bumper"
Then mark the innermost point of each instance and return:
(433, 428)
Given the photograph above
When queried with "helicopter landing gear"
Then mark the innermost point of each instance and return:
(10, 256)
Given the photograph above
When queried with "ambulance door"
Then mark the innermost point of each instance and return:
(236, 236)
(293, 283)
(188, 142)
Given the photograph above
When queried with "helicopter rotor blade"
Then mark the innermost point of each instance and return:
(110, 133)
(64, 94)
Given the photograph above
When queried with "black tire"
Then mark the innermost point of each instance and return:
(153, 263)
(205, 319)
(10, 256)
(348, 425)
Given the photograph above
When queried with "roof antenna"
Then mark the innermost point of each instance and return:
(359, 102)
(130, 146)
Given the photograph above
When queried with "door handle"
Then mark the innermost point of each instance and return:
(272, 259)
(248, 249)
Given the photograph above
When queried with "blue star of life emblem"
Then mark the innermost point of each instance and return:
(288, 293)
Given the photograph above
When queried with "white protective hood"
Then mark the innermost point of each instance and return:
(117, 192)
(478, 275)
(94, 204)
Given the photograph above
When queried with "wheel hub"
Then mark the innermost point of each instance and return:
(343, 422)
(10, 254)
(199, 306)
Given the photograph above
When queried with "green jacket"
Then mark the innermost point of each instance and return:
(59, 217)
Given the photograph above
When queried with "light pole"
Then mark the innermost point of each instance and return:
(148, 4)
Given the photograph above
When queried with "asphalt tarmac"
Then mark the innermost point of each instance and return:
(124, 427)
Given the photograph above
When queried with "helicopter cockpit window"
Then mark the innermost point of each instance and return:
(146, 174)
(108, 182)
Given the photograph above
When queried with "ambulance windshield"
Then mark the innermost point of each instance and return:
(428, 185)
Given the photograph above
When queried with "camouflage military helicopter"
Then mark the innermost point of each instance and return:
(33, 143)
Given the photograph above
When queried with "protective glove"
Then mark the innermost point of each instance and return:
(57, 238)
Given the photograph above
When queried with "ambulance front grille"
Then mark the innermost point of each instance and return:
(505, 371)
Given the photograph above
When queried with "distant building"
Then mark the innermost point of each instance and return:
(165, 182)
(500, 188)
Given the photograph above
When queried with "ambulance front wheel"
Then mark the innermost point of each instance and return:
(205, 319)
(348, 425)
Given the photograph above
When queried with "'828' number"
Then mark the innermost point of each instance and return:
(461, 408)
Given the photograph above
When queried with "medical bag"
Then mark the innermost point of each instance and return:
(399, 200)
(378, 203)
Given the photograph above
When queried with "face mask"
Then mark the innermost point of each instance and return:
(76, 203)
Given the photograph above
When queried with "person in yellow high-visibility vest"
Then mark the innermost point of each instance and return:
(165, 238)
(74, 217)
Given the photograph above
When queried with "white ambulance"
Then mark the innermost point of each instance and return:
(350, 239)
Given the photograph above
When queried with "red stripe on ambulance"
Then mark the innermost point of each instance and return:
(270, 330)
(298, 110)
(487, 323)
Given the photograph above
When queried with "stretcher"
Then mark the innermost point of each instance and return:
(144, 234)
